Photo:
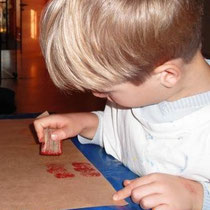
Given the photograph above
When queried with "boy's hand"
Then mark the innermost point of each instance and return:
(67, 125)
(163, 192)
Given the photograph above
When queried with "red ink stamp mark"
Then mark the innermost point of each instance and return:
(85, 169)
(59, 171)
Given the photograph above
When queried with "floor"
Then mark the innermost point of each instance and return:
(36, 93)
(34, 89)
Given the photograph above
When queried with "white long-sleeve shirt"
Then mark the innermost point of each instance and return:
(180, 147)
(170, 137)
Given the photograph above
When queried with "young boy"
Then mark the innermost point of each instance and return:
(144, 57)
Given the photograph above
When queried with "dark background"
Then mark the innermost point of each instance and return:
(206, 29)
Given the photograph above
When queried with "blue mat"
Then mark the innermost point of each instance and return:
(113, 170)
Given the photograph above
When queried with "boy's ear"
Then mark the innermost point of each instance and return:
(168, 74)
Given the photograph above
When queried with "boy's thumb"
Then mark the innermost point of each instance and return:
(58, 135)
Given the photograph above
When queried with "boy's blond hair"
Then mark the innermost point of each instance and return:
(94, 44)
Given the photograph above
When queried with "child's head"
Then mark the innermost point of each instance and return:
(94, 44)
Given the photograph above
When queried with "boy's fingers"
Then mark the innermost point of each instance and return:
(152, 201)
(56, 135)
(39, 130)
(127, 182)
(122, 194)
(146, 191)
(126, 191)
(40, 124)
(161, 207)
(59, 134)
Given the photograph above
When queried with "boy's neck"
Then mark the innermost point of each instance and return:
(195, 78)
